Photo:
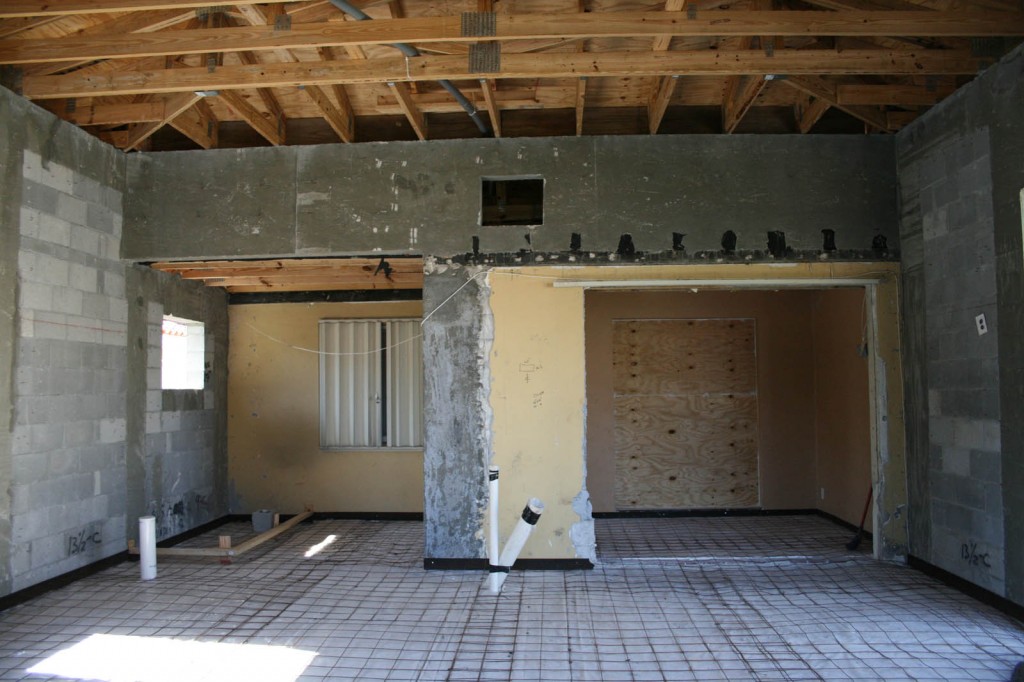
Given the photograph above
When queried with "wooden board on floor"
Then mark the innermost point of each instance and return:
(685, 410)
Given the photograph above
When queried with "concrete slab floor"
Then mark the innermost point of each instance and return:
(769, 598)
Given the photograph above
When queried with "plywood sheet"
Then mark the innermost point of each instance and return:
(685, 410)
(682, 357)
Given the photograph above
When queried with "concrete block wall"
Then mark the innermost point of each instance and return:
(953, 184)
(960, 179)
(177, 439)
(74, 356)
(66, 457)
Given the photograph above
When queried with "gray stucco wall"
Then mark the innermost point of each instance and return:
(421, 198)
(961, 175)
(456, 452)
(176, 439)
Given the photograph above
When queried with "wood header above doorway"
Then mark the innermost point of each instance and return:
(302, 274)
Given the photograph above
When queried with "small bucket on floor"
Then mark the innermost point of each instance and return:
(262, 520)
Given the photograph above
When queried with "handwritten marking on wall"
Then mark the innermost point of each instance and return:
(528, 368)
(969, 552)
(80, 542)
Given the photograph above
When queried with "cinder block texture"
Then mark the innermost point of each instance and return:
(960, 186)
(177, 453)
(66, 453)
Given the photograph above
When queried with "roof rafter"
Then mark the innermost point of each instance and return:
(825, 90)
(52, 8)
(198, 124)
(173, 106)
(517, 27)
(562, 65)
(412, 112)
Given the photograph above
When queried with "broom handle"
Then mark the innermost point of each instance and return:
(867, 505)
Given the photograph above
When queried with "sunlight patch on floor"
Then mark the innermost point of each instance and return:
(121, 658)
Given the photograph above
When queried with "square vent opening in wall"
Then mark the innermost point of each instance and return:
(512, 201)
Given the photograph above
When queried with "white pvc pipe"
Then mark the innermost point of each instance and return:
(493, 540)
(531, 514)
(147, 547)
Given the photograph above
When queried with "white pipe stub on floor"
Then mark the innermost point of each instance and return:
(147, 547)
(493, 542)
(530, 516)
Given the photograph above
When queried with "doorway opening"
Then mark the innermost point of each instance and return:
(724, 403)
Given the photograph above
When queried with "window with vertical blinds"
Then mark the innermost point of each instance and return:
(371, 384)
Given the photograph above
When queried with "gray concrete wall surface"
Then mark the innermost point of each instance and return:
(456, 411)
(419, 198)
(11, 149)
(960, 181)
(71, 402)
(176, 439)
(65, 461)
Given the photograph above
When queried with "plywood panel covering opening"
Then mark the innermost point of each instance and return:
(685, 410)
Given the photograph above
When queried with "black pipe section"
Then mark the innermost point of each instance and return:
(828, 240)
(777, 243)
(729, 241)
(410, 51)
(626, 247)
(677, 241)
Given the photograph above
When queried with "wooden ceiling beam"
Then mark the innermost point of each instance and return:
(488, 86)
(581, 102)
(891, 94)
(56, 8)
(442, 102)
(135, 22)
(716, 23)
(412, 112)
(198, 124)
(527, 66)
(173, 106)
(658, 105)
(381, 284)
(411, 280)
(825, 90)
(739, 100)
(341, 98)
(271, 130)
(222, 268)
(12, 27)
(302, 274)
(94, 114)
(808, 111)
(662, 42)
(341, 119)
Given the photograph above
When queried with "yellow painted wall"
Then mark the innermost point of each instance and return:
(537, 398)
(274, 457)
(842, 414)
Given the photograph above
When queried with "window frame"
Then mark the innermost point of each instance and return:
(191, 368)
(383, 381)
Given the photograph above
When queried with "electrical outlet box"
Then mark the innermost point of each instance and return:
(979, 320)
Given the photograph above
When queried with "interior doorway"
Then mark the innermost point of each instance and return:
(720, 401)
